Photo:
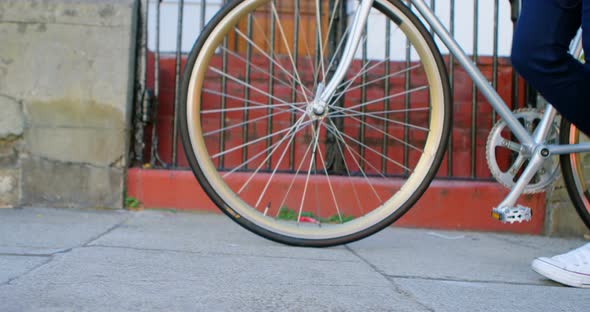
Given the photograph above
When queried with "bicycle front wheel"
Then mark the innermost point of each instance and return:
(576, 170)
(276, 166)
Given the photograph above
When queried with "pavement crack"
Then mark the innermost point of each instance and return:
(108, 231)
(210, 254)
(12, 254)
(459, 280)
(51, 257)
(399, 289)
(10, 280)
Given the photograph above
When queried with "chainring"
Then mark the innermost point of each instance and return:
(501, 147)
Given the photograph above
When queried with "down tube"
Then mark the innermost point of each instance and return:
(482, 83)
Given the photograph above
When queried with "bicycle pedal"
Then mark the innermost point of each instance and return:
(512, 214)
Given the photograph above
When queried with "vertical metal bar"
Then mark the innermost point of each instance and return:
(334, 158)
(140, 83)
(155, 155)
(515, 10)
(433, 8)
(474, 90)
(223, 100)
(407, 86)
(247, 92)
(452, 85)
(363, 100)
(296, 22)
(203, 13)
(386, 89)
(495, 52)
(271, 71)
(177, 85)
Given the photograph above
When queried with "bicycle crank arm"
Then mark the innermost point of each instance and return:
(507, 211)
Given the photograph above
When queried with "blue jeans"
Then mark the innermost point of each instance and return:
(540, 54)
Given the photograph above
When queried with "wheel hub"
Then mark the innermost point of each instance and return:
(318, 109)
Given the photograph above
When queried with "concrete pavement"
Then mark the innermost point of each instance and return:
(71, 260)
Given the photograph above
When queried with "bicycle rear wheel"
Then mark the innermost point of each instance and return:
(576, 170)
(286, 174)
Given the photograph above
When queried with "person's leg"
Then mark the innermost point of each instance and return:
(540, 54)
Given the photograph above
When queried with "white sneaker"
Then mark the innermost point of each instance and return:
(572, 268)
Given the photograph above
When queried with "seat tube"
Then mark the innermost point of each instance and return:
(352, 43)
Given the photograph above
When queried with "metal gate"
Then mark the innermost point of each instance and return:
(169, 28)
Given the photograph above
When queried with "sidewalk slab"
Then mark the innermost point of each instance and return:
(207, 234)
(462, 256)
(112, 279)
(38, 231)
(453, 296)
(167, 261)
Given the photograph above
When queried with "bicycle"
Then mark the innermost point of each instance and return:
(269, 120)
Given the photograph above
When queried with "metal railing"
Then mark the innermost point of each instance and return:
(160, 66)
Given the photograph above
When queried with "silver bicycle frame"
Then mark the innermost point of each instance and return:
(532, 145)
(529, 141)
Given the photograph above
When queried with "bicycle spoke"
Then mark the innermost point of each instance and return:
(276, 168)
(273, 61)
(241, 82)
(388, 135)
(245, 122)
(294, 176)
(250, 159)
(339, 134)
(258, 69)
(329, 182)
(348, 172)
(389, 97)
(388, 120)
(309, 55)
(384, 78)
(254, 107)
(330, 24)
(341, 113)
(274, 11)
(361, 157)
(319, 34)
(253, 142)
(296, 127)
(210, 91)
(340, 45)
(372, 149)
(367, 67)
(311, 160)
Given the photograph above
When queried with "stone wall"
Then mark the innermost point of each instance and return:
(66, 82)
(561, 218)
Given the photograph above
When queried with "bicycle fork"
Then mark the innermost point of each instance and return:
(319, 105)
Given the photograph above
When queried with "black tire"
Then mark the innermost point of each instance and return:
(573, 175)
(238, 217)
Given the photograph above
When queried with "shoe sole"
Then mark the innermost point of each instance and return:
(560, 275)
